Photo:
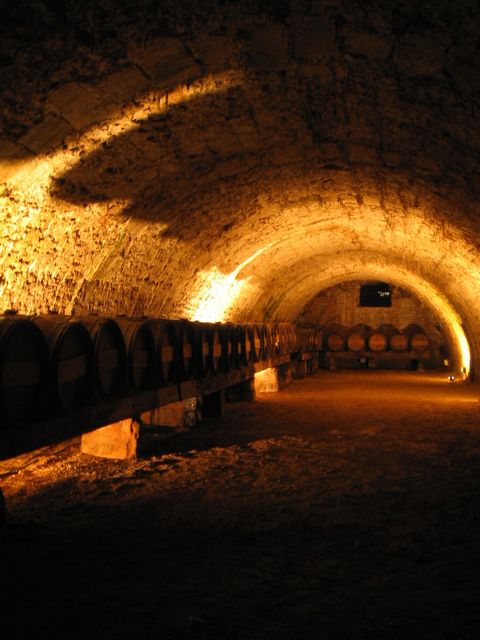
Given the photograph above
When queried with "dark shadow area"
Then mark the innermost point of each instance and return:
(178, 156)
(313, 514)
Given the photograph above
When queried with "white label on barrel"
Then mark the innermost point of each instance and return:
(21, 374)
(72, 369)
(167, 354)
(108, 359)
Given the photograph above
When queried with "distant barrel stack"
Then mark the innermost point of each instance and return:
(386, 347)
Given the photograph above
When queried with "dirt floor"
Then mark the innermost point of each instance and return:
(345, 506)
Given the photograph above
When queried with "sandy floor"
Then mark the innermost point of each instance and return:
(345, 506)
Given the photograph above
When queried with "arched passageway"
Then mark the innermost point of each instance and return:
(231, 167)
(233, 161)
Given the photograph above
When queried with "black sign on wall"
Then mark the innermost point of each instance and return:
(375, 294)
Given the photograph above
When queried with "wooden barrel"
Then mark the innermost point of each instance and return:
(265, 339)
(305, 340)
(72, 368)
(23, 371)
(418, 340)
(140, 342)
(254, 346)
(255, 341)
(228, 340)
(335, 337)
(201, 348)
(284, 338)
(356, 342)
(208, 348)
(110, 356)
(242, 352)
(216, 349)
(187, 350)
(166, 351)
(377, 342)
(317, 339)
(274, 340)
(399, 343)
(357, 338)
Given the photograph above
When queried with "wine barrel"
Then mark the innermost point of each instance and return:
(274, 340)
(72, 368)
(357, 338)
(254, 343)
(335, 337)
(356, 342)
(242, 352)
(110, 356)
(23, 371)
(166, 351)
(284, 338)
(140, 342)
(305, 340)
(255, 338)
(377, 342)
(399, 343)
(187, 350)
(208, 348)
(317, 339)
(265, 338)
(396, 340)
(418, 340)
(202, 348)
(228, 340)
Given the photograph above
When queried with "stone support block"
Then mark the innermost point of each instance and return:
(117, 441)
(267, 381)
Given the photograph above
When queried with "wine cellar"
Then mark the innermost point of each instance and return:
(239, 319)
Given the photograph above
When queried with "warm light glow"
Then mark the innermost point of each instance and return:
(218, 292)
(266, 381)
(27, 199)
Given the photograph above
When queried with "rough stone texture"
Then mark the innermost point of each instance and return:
(230, 160)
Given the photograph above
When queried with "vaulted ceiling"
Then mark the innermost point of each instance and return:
(228, 160)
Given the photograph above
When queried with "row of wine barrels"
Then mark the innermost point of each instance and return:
(55, 363)
(387, 337)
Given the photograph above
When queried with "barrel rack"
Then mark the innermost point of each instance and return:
(54, 384)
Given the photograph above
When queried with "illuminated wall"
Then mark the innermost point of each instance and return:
(231, 162)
